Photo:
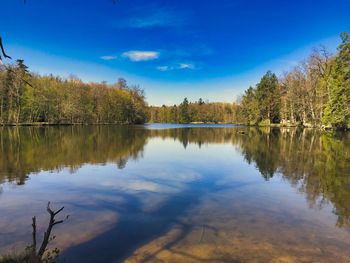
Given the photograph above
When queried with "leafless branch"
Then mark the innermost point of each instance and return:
(34, 233)
(52, 223)
(3, 50)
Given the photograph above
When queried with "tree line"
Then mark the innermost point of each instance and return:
(27, 98)
(195, 112)
(314, 93)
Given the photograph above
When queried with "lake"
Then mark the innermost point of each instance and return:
(178, 193)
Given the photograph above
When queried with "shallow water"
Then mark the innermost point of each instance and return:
(164, 193)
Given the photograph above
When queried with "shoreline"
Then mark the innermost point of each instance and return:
(38, 124)
(272, 125)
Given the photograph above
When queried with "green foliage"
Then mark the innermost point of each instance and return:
(315, 93)
(268, 97)
(200, 101)
(184, 112)
(265, 122)
(261, 105)
(337, 111)
(250, 107)
(26, 98)
(198, 112)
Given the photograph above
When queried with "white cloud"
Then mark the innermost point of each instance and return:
(180, 66)
(157, 17)
(108, 57)
(151, 21)
(186, 66)
(135, 55)
(163, 68)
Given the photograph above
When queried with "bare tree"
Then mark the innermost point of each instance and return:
(47, 235)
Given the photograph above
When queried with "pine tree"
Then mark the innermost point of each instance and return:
(337, 112)
(268, 96)
(184, 112)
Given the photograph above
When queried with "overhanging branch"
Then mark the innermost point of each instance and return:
(3, 50)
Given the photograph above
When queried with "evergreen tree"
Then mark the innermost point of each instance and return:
(250, 106)
(184, 112)
(337, 111)
(268, 96)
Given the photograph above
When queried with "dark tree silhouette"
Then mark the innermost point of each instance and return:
(42, 255)
(47, 235)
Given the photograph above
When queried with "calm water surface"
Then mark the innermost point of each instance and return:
(160, 193)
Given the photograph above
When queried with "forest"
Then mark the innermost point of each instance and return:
(195, 112)
(315, 93)
(28, 98)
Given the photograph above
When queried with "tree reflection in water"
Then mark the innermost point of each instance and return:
(315, 163)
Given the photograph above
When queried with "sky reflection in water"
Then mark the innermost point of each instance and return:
(179, 195)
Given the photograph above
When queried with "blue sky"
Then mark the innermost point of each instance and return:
(172, 49)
